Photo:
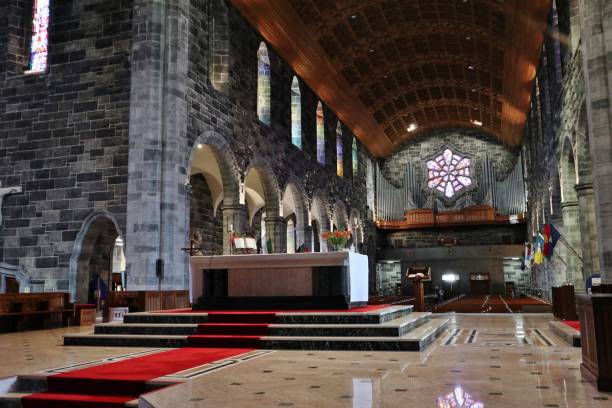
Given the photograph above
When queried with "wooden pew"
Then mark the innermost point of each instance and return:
(30, 311)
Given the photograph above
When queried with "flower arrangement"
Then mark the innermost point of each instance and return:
(336, 239)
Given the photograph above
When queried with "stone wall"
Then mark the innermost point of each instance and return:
(205, 225)
(64, 133)
(471, 142)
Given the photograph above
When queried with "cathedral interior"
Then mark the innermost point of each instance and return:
(306, 203)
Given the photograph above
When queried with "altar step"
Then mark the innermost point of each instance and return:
(391, 328)
(397, 327)
(415, 340)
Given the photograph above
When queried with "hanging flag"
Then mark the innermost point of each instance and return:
(538, 257)
(554, 237)
(546, 246)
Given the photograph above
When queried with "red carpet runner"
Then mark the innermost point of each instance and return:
(574, 324)
(226, 334)
(112, 385)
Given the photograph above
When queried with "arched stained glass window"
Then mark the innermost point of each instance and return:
(219, 45)
(320, 134)
(355, 157)
(339, 151)
(448, 173)
(296, 113)
(263, 84)
(39, 46)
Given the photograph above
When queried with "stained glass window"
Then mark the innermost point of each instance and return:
(320, 135)
(39, 48)
(355, 157)
(339, 151)
(448, 173)
(263, 84)
(296, 114)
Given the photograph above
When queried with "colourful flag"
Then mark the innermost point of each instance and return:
(538, 257)
(554, 236)
(546, 246)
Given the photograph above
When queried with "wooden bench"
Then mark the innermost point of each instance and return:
(147, 300)
(31, 311)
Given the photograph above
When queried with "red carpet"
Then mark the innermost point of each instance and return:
(113, 384)
(574, 324)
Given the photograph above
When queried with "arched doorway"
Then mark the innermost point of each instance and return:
(207, 194)
(95, 252)
(261, 195)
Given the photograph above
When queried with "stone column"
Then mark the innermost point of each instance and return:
(234, 221)
(276, 229)
(571, 232)
(588, 229)
(307, 234)
(157, 224)
(596, 26)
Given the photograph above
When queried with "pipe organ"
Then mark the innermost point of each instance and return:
(506, 196)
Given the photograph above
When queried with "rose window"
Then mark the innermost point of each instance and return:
(448, 173)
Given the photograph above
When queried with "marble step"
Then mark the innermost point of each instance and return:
(11, 399)
(414, 340)
(396, 327)
(310, 317)
(569, 334)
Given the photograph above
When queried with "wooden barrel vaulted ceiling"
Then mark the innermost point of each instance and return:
(393, 69)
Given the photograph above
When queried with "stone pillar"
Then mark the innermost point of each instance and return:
(234, 221)
(596, 26)
(588, 229)
(276, 230)
(307, 234)
(157, 224)
(571, 232)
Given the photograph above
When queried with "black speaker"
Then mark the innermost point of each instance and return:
(159, 269)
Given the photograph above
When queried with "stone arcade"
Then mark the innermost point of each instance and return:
(305, 203)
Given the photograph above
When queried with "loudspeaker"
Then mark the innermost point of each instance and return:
(159, 269)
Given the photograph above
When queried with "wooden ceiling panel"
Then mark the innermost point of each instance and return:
(383, 65)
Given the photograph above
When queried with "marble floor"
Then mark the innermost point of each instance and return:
(481, 361)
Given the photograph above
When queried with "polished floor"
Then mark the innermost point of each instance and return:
(481, 361)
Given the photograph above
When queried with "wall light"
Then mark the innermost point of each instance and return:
(450, 277)
(200, 146)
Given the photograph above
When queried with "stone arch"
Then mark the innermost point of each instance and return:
(92, 253)
(264, 183)
(225, 161)
(584, 169)
(340, 216)
(567, 171)
(294, 202)
(319, 220)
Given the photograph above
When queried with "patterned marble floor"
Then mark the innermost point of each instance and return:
(481, 361)
(512, 361)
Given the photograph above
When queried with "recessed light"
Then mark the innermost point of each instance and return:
(412, 127)
(200, 146)
(467, 37)
(473, 89)
(371, 50)
(354, 16)
(470, 67)
(476, 122)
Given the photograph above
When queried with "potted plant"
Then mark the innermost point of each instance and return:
(336, 240)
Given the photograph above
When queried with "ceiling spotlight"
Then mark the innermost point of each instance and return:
(371, 50)
(473, 89)
(476, 122)
(386, 76)
(470, 67)
(200, 146)
(354, 16)
(467, 37)
(412, 127)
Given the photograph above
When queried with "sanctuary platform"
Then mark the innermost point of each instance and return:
(327, 280)
(379, 327)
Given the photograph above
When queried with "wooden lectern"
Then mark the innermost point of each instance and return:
(418, 275)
